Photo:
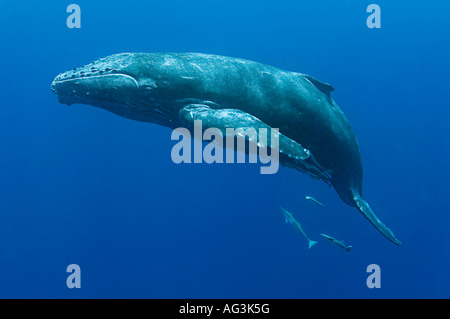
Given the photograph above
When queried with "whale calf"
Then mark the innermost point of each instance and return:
(175, 89)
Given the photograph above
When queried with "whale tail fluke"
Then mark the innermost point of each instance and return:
(347, 249)
(312, 243)
(365, 209)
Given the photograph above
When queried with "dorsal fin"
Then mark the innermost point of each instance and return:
(323, 87)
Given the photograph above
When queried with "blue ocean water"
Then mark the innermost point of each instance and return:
(79, 185)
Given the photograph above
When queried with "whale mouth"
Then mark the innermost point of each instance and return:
(102, 81)
(114, 91)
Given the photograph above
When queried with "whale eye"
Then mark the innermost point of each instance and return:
(147, 85)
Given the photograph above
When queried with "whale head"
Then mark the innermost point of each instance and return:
(121, 83)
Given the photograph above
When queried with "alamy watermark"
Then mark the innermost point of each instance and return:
(374, 279)
(374, 19)
(74, 19)
(259, 143)
(74, 279)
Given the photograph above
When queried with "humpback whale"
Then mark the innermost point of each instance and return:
(176, 89)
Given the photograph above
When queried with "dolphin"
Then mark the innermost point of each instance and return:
(175, 89)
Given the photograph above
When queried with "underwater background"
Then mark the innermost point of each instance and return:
(79, 185)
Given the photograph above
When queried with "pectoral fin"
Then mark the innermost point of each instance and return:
(292, 154)
(365, 209)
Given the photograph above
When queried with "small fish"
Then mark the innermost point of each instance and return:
(315, 201)
(340, 243)
(288, 218)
